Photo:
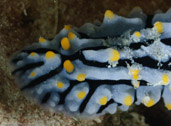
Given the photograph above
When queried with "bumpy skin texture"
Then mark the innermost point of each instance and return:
(92, 70)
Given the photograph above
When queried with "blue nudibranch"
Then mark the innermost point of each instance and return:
(94, 69)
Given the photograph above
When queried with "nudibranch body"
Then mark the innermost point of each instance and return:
(94, 69)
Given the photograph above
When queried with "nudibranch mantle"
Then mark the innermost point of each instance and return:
(94, 69)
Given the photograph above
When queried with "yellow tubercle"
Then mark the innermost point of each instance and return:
(137, 34)
(67, 27)
(103, 100)
(33, 54)
(32, 74)
(136, 85)
(159, 27)
(134, 73)
(81, 77)
(81, 94)
(135, 77)
(168, 106)
(165, 79)
(148, 102)
(65, 44)
(69, 67)
(42, 40)
(115, 56)
(71, 35)
(128, 100)
(50, 55)
(109, 14)
(60, 85)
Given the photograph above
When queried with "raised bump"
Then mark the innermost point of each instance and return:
(115, 56)
(137, 84)
(32, 74)
(81, 94)
(137, 34)
(32, 54)
(147, 101)
(42, 40)
(67, 27)
(50, 55)
(65, 44)
(69, 67)
(128, 100)
(71, 35)
(134, 73)
(103, 100)
(109, 14)
(60, 85)
(168, 106)
(165, 79)
(81, 77)
(159, 27)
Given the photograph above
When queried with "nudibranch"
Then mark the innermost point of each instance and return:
(101, 66)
